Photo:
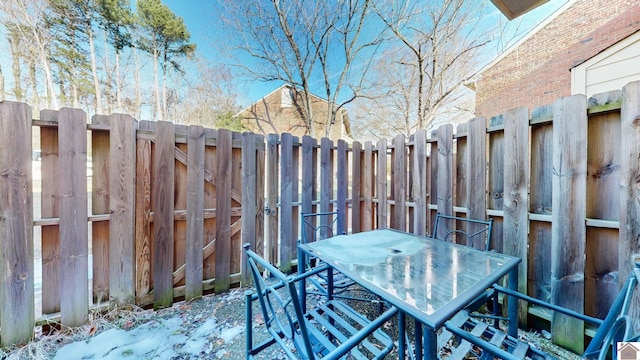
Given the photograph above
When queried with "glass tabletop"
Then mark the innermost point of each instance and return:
(429, 279)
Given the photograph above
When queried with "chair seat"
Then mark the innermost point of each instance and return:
(342, 322)
(463, 328)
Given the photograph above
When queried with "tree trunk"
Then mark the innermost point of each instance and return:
(109, 79)
(14, 43)
(94, 70)
(118, 84)
(164, 89)
(155, 77)
(33, 79)
(136, 80)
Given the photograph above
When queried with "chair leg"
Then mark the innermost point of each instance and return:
(248, 315)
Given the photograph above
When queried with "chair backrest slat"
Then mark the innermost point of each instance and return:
(473, 231)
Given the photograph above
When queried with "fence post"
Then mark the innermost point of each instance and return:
(16, 225)
(72, 137)
(568, 229)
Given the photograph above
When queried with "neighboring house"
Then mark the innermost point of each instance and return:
(587, 47)
(276, 113)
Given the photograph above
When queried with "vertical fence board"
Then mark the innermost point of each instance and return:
(122, 187)
(100, 145)
(420, 182)
(630, 184)
(356, 186)
(195, 213)
(381, 184)
(462, 173)
(308, 180)
(272, 198)
(540, 204)
(444, 169)
(367, 187)
(603, 202)
(568, 220)
(260, 180)
(295, 188)
(287, 242)
(16, 225)
(476, 176)
(326, 175)
(180, 195)
(163, 201)
(249, 201)
(342, 183)
(143, 211)
(210, 194)
(223, 211)
(399, 173)
(50, 208)
(433, 180)
(516, 194)
(74, 247)
(496, 179)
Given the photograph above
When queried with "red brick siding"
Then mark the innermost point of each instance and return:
(539, 70)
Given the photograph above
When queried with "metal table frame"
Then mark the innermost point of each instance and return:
(430, 321)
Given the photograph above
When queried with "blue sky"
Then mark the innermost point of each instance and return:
(200, 15)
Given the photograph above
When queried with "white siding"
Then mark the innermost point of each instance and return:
(610, 70)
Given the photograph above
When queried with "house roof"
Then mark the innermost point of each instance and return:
(472, 79)
(514, 8)
(271, 93)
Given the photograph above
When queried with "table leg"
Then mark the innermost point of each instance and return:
(430, 344)
(401, 336)
(302, 284)
(418, 339)
(513, 303)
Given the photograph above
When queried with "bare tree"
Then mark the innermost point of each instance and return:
(439, 42)
(311, 46)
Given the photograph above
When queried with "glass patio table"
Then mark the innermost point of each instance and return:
(427, 279)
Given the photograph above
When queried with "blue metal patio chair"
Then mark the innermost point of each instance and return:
(491, 342)
(329, 330)
(476, 233)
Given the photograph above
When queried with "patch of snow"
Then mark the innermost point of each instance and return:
(229, 334)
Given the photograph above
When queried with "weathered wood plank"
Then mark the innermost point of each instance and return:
(516, 195)
(143, 212)
(180, 195)
(381, 184)
(444, 159)
(568, 226)
(223, 208)
(16, 231)
(308, 180)
(50, 208)
(603, 202)
(398, 175)
(476, 173)
(210, 193)
(342, 184)
(420, 182)
(356, 186)
(195, 213)
(272, 198)
(163, 202)
(287, 241)
(122, 186)
(367, 219)
(100, 205)
(629, 184)
(74, 247)
(496, 178)
(260, 180)
(250, 204)
(461, 173)
(433, 182)
(326, 175)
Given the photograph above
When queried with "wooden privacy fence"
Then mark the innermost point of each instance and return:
(170, 205)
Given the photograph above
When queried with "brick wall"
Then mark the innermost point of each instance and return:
(539, 70)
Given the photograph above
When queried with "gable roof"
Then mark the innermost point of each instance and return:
(271, 93)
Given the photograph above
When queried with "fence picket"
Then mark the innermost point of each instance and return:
(163, 201)
(568, 230)
(356, 186)
(143, 211)
(367, 187)
(381, 184)
(195, 213)
(100, 205)
(287, 242)
(399, 188)
(476, 172)
(16, 230)
(74, 248)
(420, 183)
(342, 184)
(223, 211)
